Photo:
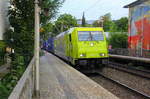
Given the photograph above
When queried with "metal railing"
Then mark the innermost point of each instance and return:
(119, 51)
(25, 86)
(130, 52)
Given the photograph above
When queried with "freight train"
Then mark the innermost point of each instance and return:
(81, 46)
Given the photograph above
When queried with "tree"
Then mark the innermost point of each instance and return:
(96, 24)
(46, 31)
(63, 23)
(113, 27)
(21, 18)
(122, 24)
(107, 17)
(50, 9)
(83, 21)
(2, 52)
(118, 40)
(107, 22)
(104, 21)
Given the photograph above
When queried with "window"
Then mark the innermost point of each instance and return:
(84, 36)
(90, 36)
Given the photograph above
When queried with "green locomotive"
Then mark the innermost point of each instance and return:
(82, 46)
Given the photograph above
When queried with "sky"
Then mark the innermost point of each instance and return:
(95, 8)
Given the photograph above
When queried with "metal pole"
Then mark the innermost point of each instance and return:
(36, 47)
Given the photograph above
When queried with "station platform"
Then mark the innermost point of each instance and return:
(60, 81)
(146, 60)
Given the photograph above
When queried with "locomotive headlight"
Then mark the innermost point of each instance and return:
(92, 44)
(82, 55)
(102, 54)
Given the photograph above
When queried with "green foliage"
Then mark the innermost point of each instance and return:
(4, 92)
(46, 31)
(2, 51)
(50, 9)
(21, 18)
(110, 25)
(104, 21)
(107, 22)
(83, 21)
(107, 17)
(2, 44)
(113, 28)
(96, 24)
(122, 24)
(107, 25)
(118, 40)
(63, 23)
(8, 35)
(10, 80)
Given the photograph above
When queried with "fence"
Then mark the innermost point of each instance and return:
(131, 52)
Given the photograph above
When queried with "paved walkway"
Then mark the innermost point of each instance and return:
(60, 81)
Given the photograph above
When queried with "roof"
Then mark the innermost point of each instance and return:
(71, 29)
(138, 2)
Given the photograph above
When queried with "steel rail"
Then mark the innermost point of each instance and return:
(129, 67)
(137, 72)
(125, 86)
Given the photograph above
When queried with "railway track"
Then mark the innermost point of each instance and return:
(145, 96)
(137, 72)
(131, 70)
(122, 79)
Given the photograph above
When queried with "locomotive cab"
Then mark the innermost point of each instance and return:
(82, 45)
(88, 46)
(91, 44)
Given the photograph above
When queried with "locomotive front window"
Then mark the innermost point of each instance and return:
(97, 36)
(84, 36)
(90, 36)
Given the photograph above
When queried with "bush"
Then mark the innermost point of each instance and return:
(118, 40)
(2, 52)
(3, 91)
(10, 80)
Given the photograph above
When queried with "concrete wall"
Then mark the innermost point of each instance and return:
(3, 17)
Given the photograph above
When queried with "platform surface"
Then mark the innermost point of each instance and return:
(60, 81)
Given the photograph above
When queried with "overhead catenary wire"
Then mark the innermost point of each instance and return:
(92, 6)
(108, 9)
